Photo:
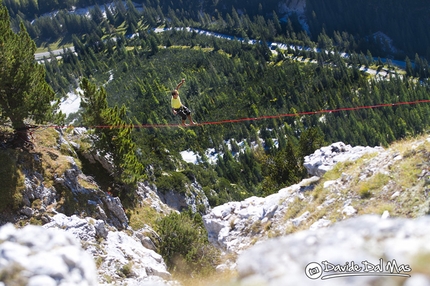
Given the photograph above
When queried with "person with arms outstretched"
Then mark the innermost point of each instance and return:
(178, 108)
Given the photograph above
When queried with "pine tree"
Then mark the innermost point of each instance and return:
(409, 69)
(113, 133)
(132, 13)
(109, 15)
(310, 140)
(24, 92)
(97, 14)
(282, 169)
(276, 22)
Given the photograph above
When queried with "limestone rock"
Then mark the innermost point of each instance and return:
(38, 256)
(87, 229)
(235, 225)
(149, 195)
(121, 256)
(324, 159)
(368, 238)
(114, 205)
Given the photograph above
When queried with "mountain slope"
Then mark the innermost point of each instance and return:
(351, 182)
(47, 186)
(347, 182)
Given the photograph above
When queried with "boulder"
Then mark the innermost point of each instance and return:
(38, 256)
(118, 217)
(87, 229)
(121, 257)
(325, 158)
(376, 246)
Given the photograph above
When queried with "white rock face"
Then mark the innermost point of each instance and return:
(234, 225)
(146, 265)
(38, 256)
(148, 193)
(114, 205)
(121, 257)
(165, 202)
(93, 201)
(324, 159)
(83, 229)
(282, 261)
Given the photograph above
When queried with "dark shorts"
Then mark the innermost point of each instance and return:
(183, 112)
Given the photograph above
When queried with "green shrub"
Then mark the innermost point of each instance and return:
(184, 244)
(175, 181)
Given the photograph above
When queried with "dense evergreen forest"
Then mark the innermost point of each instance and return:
(231, 79)
(353, 26)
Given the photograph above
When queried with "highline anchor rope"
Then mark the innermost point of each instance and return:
(250, 118)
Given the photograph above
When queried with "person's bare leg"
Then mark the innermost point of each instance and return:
(183, 122)
(191, 120)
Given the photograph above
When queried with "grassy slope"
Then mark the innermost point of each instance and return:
(395, 180)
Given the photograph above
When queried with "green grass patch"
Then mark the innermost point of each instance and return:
(126, 270)
(348, 166)
(376, 207)
(365, 189)
(337, 170)
(46, 138)
(138, 217)
(408, 171)
(294, 208)
(319, 194)
(53, 163)
(65, 42)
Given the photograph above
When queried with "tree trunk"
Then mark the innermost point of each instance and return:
(22, 134)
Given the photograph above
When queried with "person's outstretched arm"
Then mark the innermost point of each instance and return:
(180, 84)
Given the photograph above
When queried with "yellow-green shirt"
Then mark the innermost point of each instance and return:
(176, 102)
